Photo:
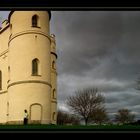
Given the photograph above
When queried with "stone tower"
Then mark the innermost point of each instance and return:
(30, 67)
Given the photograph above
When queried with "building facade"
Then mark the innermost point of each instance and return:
(28, 68)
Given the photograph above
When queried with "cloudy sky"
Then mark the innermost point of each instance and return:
(98, 49)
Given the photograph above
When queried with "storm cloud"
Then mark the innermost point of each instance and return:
(98, 49)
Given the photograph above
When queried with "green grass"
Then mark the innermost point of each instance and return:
(73, 127)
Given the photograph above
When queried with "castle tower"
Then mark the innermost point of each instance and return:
(31, 83)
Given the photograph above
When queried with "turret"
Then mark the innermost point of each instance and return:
(53, 79)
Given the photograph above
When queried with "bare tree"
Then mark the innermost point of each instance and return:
(124, 116)
(85, 102)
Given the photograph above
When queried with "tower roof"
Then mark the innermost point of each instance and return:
(49, 12)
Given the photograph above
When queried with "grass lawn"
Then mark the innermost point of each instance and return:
(72, 127)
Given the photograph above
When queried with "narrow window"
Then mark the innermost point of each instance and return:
(35, 64)
(54, 96)
(0, 80)
(9, 69)
(8, 74)
(54, 116)
(35, 21)
(53, 65)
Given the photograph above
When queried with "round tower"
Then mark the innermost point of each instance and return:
(29, 85)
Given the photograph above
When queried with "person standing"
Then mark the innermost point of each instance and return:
(25, 117)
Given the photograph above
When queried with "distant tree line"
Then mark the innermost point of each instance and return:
(66, 118)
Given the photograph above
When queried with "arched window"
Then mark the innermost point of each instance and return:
(54, 116)
(53, 65)
(35, 66)
(54, 94)
(35, 21)
(8, 73)
(0, 80)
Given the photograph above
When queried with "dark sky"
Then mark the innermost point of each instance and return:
(98, 49)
